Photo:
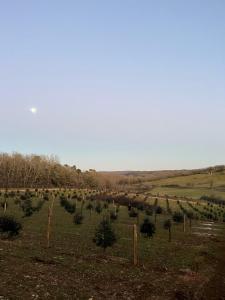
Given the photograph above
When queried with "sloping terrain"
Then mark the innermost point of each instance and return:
(193, 186)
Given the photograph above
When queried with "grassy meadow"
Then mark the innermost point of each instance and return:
(191, 186)
(73, 267)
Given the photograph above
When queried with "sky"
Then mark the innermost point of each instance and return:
(117, 85)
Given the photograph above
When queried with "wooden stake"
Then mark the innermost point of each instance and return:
(184, 223)
(81, 209)
(50, 212)
(135, 248)
(155, 217)
(5, 207)
(169, 234)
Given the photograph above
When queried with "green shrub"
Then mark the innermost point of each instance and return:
(158, 210)
(167, 224)
(89, 206)
(4, 204)
(147, 228)
(149, 211)
(26, 206)
(70, 208)
(113, 216)
(178, 217)
(9, 226)
(140, 206)
(78, 219)
(98, 208)
(133, 213)
(104, 235)
(46, 197)
(106, 205)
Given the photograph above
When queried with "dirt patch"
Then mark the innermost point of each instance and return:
(215, 288)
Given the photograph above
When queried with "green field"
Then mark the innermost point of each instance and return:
(75, 268)
(192, 186)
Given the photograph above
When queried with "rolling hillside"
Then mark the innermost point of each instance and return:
(194, 185)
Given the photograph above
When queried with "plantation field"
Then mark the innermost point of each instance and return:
(73, 267)
(192, 186)
(197, 180)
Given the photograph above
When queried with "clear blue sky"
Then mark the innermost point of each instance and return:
(118, 84)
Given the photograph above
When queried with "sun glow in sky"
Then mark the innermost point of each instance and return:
(118, 84)
(33, 110)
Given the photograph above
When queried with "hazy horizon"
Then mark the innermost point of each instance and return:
(116, 85)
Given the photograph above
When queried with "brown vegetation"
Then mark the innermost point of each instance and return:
(34, 171)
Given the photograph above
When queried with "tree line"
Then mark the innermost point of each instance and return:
(39, 171)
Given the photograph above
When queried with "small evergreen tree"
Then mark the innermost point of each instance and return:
(158, 210)
(27, 208)
(190, 216)
(113, 215)
(149, 211)
(178, 217)
(46, 197)
(148, 228)
(140, 206)
(68, 206)
(78, 219)
(133, 213)
(98, 208)
(104, 235)
(9, 226)
(4, 204)
(89, 207)
(106, 205)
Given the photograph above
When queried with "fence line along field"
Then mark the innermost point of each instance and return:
(94, 244)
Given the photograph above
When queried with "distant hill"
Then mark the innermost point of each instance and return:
(192, 183)
(155, 175)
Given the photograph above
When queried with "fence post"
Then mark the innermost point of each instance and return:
(135, 248)
(50, 212)
(5, 207)
(184, 223)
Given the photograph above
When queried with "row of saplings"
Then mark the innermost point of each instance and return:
(92, 205)
(24, 201)
(105, 235)
(9, 225)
